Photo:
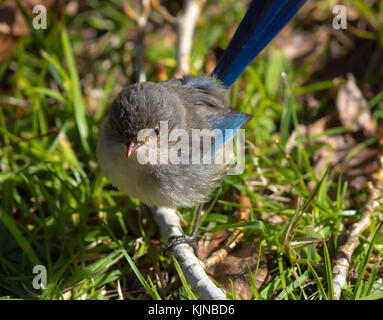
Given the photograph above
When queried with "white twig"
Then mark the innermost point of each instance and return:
(186, 24)
(141, 21)
(342, 263)
(191, 266)
(163, 12)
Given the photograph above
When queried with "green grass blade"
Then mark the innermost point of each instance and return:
(18, 236)
(252, 277)
(137, 272)
(362, 271)
(185, 284)
(317, 280)
(78, 101)
(106, 96)
(47, 92)
(328, 272)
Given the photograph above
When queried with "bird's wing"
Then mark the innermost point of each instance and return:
(229, 125)
(205, 102)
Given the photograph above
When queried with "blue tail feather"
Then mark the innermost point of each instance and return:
(263, 21)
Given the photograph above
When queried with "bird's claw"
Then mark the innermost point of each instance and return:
(176, 240)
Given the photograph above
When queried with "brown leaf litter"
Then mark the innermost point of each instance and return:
(345, 150)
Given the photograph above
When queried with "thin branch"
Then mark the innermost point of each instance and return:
(141, 20)
(342, 263)
(39, 136)
(163, 12)
(192, 267)
(185, 31)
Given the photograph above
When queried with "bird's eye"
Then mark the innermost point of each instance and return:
(157, 130)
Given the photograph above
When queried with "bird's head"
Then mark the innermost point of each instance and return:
(144, 106)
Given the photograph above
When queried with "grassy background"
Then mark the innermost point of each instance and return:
(58, 210)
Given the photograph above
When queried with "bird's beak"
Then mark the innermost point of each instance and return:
(131, 147)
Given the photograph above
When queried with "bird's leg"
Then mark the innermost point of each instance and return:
(173, 241)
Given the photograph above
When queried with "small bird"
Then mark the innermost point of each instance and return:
(187, 104)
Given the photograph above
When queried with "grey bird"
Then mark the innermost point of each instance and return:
(187, 104)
